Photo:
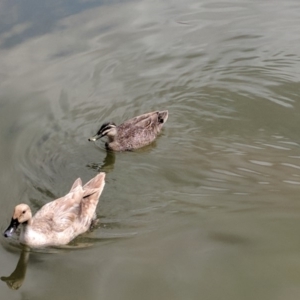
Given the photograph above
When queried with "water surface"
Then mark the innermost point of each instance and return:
(211, 209)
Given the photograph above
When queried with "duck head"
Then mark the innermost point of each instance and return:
(107, 129)
(22, 214)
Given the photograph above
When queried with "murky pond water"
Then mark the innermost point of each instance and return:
(211, 210)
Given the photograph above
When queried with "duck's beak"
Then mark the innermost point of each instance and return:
(95, 137)
(14, 223)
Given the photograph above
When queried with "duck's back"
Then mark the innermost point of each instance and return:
(61, 213)
(140, 131)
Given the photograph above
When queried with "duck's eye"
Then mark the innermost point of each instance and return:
(24, 211)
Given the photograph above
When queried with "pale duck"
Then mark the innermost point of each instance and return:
(60, 221)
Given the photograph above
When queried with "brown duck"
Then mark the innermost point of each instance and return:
(134, 133)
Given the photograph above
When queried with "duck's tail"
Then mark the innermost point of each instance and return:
(163, 116)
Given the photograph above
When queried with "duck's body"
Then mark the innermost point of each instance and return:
(134, 133)
(60, 221)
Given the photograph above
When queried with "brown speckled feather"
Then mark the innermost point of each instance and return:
(137, 132)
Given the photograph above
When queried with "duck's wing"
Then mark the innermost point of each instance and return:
(76, 183)
(139, 120)
(154, 118)
(59, 214)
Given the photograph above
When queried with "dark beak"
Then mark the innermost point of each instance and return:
(95, 137)
(14, 223)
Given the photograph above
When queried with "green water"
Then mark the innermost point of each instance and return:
(211, 209)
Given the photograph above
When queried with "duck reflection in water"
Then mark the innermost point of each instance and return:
(107, 165)
(15, 280)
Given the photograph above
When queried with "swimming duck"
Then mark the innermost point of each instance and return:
(134, 133)
(60, 221)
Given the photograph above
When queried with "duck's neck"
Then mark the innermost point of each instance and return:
(29, 222)
(111, 138)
